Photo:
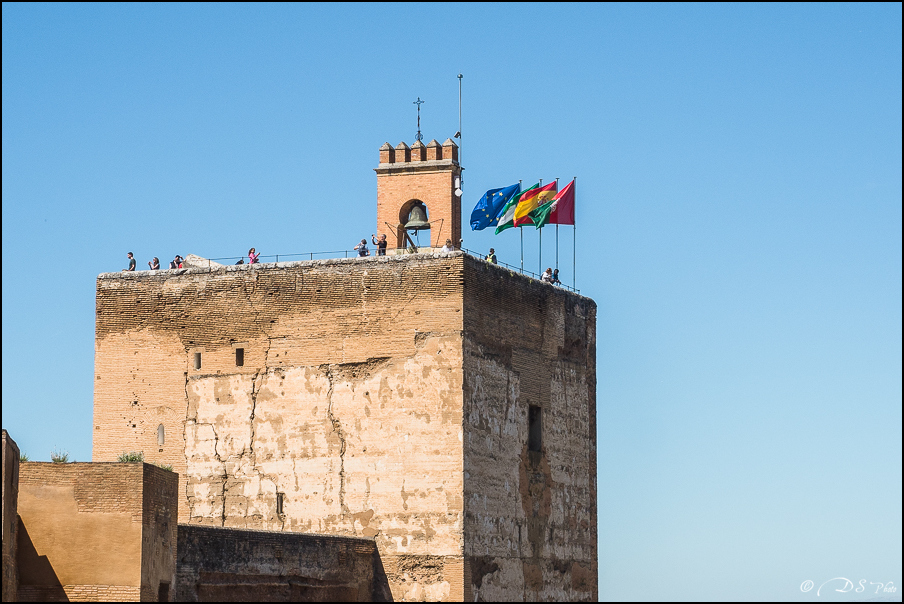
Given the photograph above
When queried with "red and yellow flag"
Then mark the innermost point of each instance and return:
(531, 200)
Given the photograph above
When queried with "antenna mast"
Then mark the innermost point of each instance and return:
(459, 119)
(459, 180)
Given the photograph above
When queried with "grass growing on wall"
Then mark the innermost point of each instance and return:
(138, 456)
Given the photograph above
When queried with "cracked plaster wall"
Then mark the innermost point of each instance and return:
(348, 403)
(383, 398)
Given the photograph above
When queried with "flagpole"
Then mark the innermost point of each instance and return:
(574, 230)
(557, 231)
(522, 235)
(520, 230)
(540, 270)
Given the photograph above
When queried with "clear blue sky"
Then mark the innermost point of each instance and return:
(739, 225)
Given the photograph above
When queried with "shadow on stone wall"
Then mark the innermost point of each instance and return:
(38, 582)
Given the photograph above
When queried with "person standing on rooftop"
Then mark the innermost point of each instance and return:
(381, 244)
(252, 257)
(362, 249)
(131, 263)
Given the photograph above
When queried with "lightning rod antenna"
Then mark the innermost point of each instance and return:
(459, 127)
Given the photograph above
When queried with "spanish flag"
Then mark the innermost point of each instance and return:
(558, 211)
(531, 200)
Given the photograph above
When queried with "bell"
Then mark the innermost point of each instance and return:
(417, 219)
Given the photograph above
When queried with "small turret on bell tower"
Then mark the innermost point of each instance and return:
(419, 175)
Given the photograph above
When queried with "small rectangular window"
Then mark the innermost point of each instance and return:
(163, 592)
(197, 360)
(534, 428)
(279, 503)
(239, 357)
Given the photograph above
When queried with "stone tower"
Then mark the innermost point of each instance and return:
(425, 174)
(439, 404)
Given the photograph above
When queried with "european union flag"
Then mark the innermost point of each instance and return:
(486, 212)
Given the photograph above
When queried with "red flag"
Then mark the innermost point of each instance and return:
(564, 212)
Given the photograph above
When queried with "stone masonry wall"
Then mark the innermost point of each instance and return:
(344, 418)
(530, 517)
(10, 520)
(232, 565)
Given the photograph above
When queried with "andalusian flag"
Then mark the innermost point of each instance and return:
(531, 200)
(558, 211)
(507, 220)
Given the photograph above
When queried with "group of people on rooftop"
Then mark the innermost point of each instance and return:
(179, 261)
(362, 250)
(381, 244)
(154, 264)
(549, 276)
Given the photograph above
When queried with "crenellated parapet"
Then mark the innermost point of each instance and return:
(419, 152)
(434, 151)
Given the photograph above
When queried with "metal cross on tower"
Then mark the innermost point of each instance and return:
(419, 102)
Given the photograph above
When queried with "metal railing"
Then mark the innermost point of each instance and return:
(292, 257)
(518, 269)
(354, 254)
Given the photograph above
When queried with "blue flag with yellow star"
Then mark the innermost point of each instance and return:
(486, 212)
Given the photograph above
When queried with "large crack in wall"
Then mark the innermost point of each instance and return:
(337, 428)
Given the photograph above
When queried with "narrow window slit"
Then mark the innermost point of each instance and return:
(534, 428)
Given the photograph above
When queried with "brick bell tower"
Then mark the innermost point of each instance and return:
(421, 174)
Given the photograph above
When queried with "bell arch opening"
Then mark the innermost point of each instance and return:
(413, 213)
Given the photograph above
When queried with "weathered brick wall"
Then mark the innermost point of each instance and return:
(530, 517)
(347, 410)
(90, 532)
(10, 521)
(159, 522)
(232, 565)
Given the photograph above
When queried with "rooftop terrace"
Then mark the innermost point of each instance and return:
(196, 264)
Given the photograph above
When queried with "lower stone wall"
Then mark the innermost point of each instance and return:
(232, 565)
(79, 533)
(79, 593)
